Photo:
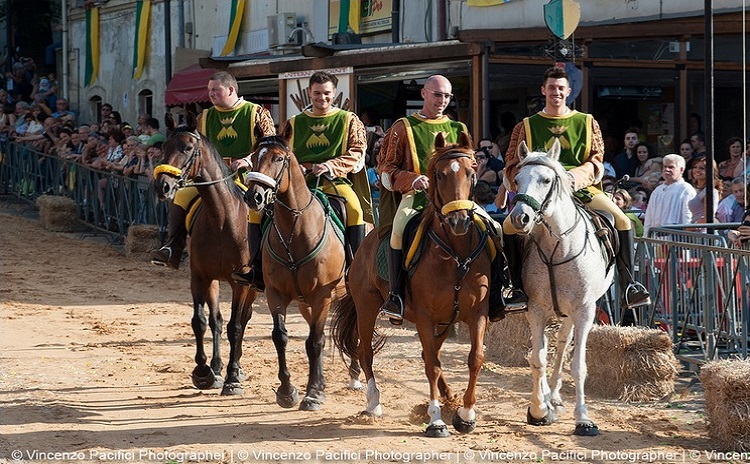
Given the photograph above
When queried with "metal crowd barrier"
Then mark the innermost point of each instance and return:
(699, 287)
(699, 290)
(109, 203)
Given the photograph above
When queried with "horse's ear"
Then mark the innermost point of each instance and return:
(464, 140)
(287, 131)
(169, 121)
(191, 122)
(440, 140)
(523, 150)
(554, 151)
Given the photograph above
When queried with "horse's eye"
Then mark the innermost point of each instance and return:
(547, 180)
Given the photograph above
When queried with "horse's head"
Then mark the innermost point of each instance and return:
(181, 154)
(452, 175)
(271, 158)
(540, 180)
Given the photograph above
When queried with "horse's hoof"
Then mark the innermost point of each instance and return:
(437, 431)
(287, 401)
(310, 404)
(206, 380)
(549, 419)
(586, 429)
(463, 426)
(232, 389)
(241, 375)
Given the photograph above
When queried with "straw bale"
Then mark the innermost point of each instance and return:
(141, 239)
(508, 342)
(630, 363)
(58, 214)
(727, 393)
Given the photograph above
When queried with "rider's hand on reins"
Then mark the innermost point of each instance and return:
(320, 169)
(420, 183)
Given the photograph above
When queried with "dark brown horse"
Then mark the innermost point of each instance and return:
(217, 246)
(303, 259)
(449, 283)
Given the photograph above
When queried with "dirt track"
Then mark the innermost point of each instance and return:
(96, 355)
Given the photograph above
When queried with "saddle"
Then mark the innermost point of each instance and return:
(604, 226)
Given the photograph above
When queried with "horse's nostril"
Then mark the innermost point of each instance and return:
(258, 197)
(165, 188)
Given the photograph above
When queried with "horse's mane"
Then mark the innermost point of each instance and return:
(541, 158)
(226, 171)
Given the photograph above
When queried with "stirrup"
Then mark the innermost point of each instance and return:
(639, 292)
(520, 304)
(158, 261)
(396, 318)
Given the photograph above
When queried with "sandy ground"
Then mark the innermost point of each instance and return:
(95, 361)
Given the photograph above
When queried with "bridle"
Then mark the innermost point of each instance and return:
(539, 213)
(462, 264)
(189, 170)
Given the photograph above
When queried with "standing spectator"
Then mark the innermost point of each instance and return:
(105, 112)
(582, 153)
(733, 166)
(484, 196)
(62, 108)
(739, 238)
(668, 203)
(152, 130)
(626, 162)
(697, 204)
(698, 142)
(647, 164)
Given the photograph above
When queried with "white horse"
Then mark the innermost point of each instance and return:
(565, 272)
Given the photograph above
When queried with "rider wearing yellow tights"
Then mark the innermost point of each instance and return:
(582, 153)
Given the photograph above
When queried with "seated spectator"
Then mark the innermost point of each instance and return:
(732, 207)
(622, 199)
(489, 168)
(668, 203)
(62, 108)
(740, 238)
(484, 196)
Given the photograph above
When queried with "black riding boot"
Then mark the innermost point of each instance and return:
(354, 237)
(497, 282)
(632, 293)
(514, 298)
(171, 253)
(394, 306)
(253, 272)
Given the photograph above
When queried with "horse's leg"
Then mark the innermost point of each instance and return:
(367, 313)
(242, 311)
(465, 419)
(540, 412)
(286, 395)
(430, 348)
(203, 376)
(584, 425)
(564, 336)
(316, 384)
(354, 371)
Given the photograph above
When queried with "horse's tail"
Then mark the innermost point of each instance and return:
(344, 329)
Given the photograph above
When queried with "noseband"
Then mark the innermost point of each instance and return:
(273, 183)
(538, 208)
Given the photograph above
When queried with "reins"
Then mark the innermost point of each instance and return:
(462, 265)
(189, 170)
(275, 183)
(539, 211)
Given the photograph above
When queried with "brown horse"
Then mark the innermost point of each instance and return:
(217, 246)
(303, 259)
(449, 283)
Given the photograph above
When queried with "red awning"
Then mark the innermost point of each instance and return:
(188, 86)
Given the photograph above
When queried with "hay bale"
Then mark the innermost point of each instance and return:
(727, 393)
(58, 214)
(141, 239)
(508, 342)
(630, 363)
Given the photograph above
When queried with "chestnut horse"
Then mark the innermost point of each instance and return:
(217, 246)
(303, 259)
(449, 283)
